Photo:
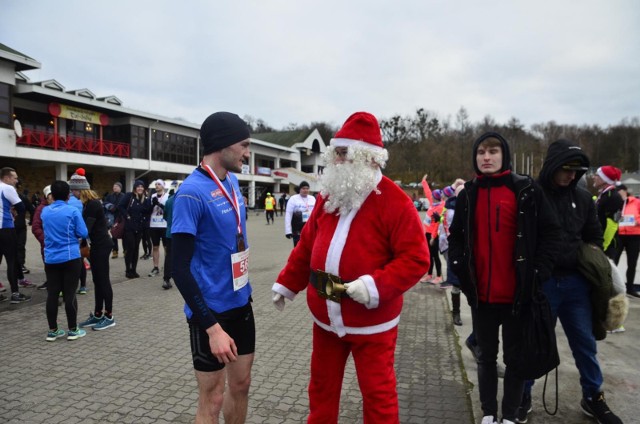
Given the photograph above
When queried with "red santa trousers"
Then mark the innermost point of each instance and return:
(373, 356)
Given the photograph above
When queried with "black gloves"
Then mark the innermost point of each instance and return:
(288, 236)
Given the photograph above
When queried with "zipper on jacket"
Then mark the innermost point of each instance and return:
(498, 218)
(490, 244)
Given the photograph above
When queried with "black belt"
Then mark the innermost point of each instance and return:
(328, 286)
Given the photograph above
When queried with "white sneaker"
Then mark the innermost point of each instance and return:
(617, 330)
(507, 421)
(488, 419)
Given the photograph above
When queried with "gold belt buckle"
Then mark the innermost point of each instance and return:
(330, 286)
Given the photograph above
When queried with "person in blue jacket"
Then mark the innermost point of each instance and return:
(63, 226)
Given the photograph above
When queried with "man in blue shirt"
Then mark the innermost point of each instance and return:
(210, 268)
(63, 226)
(10, 203)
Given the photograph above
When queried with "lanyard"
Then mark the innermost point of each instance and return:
(234, 201)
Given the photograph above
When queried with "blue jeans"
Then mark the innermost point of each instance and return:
(569, 300)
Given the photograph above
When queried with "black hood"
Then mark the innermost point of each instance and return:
(506, 153)
(559, 153)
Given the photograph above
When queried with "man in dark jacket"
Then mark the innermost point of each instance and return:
(502, 240)
(111, 205)
(568, 291)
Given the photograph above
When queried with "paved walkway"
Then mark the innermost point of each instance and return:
(140, 371)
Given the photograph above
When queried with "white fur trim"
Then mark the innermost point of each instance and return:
(346, 142)
(372, 329)
(617, 311)
(332, 265)
(280, 289)
(374, 295)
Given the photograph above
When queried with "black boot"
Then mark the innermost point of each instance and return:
(455, 303)
(631, 291)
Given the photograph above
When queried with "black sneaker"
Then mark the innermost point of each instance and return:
(18, 297)
(155, 271)
(3, 298)
(456, 318)
(597, 408)
(524, 408)
(167, 284)
(42, 286)
(633, 293)
(25, 270)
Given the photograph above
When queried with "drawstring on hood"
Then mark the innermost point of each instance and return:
(560, 153)
(506, 153)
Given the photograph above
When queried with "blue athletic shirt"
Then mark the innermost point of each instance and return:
(202, 210)
(8, 197)
(63, 226)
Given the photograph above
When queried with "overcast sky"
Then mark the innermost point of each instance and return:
(296, 61)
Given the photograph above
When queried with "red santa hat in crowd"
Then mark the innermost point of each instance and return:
(609, 174)
(362, 130)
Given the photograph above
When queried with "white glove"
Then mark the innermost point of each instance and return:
(357, 290)
(278, 301)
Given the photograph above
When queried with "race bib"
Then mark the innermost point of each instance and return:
(305, 216)
(157, 220)
(240, 269)
(627, 221)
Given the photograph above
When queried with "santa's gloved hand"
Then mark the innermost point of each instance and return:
(278, 301)
(357, 290)
(288, 235)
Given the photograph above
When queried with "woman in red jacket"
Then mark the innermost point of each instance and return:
(629, 233)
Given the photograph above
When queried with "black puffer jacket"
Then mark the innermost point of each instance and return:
(572, 205)
(537, 227)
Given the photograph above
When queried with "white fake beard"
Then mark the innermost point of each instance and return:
(347, 185)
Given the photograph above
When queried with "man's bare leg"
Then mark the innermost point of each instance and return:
(236, 397)
(210, 396)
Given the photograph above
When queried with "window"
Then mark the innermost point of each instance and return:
(138, 142)
(174, 148)
(5, 106)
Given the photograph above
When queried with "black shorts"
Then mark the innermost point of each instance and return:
(238, 323)
(157, 234)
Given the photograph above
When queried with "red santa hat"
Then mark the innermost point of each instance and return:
(609, 174)
(360, 129)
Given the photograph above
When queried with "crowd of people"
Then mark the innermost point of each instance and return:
(506, 240)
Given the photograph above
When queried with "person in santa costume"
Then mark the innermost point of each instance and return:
(361, 249)
(609, 206)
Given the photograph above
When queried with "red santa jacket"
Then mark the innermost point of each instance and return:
(382, 243)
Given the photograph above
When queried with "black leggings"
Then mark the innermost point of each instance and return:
(131, 246)
(632, 245)
(8, 248)
(62, 277)
(99, 257)
(435, 257)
